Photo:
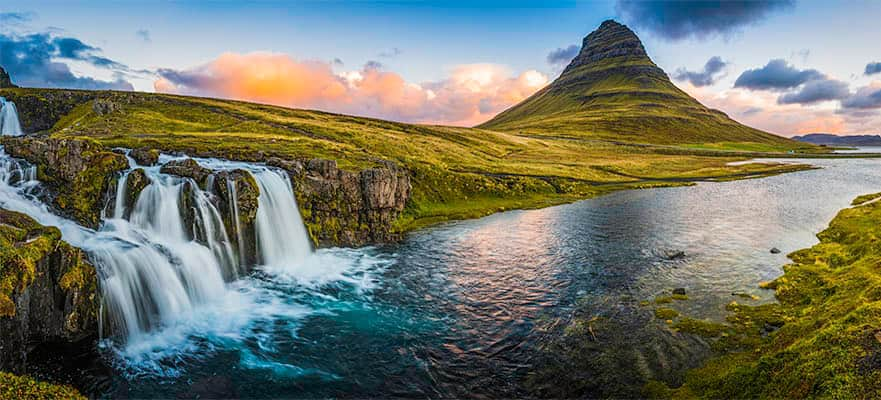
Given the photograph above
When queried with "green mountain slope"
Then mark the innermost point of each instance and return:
(613, 91)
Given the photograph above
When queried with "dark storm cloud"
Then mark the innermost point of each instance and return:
(676, 20)
(33, 60)
(562, 56)
(816, 91)
(776, 75)
(873, 68)
(712, 71)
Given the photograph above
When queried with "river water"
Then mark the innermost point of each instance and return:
(470, 308)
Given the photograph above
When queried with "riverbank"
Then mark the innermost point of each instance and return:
(822, 339)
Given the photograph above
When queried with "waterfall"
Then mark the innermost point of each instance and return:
(171, 253)
(281, 235)
(9, 125)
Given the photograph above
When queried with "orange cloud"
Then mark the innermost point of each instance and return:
(471, 94)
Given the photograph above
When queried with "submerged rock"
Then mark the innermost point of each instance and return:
(775, 250)
(50, 291)
(679, 291)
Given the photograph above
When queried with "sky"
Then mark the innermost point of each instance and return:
(786, 66)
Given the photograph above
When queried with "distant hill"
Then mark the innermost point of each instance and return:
(613, 91)
(829, 139)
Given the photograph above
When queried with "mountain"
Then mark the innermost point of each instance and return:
(613, 91)
(829, 139)
(5, 82)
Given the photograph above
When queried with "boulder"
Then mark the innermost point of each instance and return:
(145, 156)
(187, 168)
(240, 188)
(104, 106)
(135, 183)
(775, 250)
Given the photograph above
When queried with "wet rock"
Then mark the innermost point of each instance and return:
(187, 168)
(145, 156)
(679, 291)
(135, 183)
(238, 187)
(775, 250)
(674, 254)
(77, 172)
(51, 291)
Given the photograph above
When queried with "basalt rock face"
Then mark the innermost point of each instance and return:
(342, 208)
(610, 40)
(238, 193)
(48, 290)
(5, 81)
(79, 173)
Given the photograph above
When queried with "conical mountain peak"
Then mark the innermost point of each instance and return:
(610, 40)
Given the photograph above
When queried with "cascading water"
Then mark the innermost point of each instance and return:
(9, 124)
(155, 263)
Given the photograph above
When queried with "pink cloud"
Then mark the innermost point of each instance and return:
(471, 93)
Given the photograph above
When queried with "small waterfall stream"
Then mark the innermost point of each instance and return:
(9, 124)
(155, 264)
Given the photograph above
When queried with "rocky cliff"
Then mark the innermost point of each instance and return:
(39, 111)
(78, 172)
(48, 290)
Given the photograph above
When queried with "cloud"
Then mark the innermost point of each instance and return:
(776, 75)
(873, 68)
(677, 20)
(394, 52)
(865, 98)
(15, 18)
(562, 56)
(706, 77)
(35, 60)
(816, 91)
(144, 35)
(470, 94)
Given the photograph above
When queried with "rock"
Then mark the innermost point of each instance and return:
(247, 193)
(104, 106)
(145, 156)
(679, 291)
(187, 168)
(5, 81)
(293, 167)
(135, 183)
(343, 208)
(674, 255)
(77, 172)
(775, 250)
(50, 291)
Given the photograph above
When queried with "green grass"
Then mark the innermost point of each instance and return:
(823, 338)
(457, 172)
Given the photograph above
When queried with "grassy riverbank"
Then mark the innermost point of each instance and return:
(456, 172)
(821, 340)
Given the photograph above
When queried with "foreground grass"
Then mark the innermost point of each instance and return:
(823, 338)
(457, 172)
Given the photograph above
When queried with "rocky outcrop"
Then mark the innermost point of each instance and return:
(40, 110)
(238, 194)
(5, 81)
(48, 290)
(342, 208)
(78, 172)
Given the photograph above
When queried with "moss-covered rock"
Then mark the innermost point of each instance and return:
(238, 192)
(79, 172)
(145, 156)
(187, 168)
(48, 290)
(24, 387)
(39, 111)
(342, 208)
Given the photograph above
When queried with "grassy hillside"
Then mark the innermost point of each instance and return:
(823, 338)
(613, 91)
(457, 172)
